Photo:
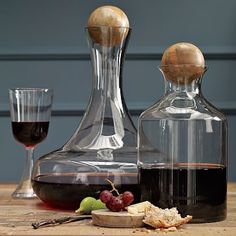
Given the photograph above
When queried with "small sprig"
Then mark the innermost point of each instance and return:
(113, 187)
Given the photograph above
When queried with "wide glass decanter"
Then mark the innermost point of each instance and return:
(104, 145)
(182, 142)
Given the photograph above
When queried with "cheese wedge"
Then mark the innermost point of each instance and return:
(141, 207)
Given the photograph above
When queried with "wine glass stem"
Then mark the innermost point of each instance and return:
(28, 165)
(24, 188)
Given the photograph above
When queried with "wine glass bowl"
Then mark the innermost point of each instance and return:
(30, 110)
(30, 133)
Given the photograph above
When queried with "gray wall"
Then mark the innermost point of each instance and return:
(42, 43)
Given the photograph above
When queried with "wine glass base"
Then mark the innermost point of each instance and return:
(27, 195)
(24, 195)
(24, 190)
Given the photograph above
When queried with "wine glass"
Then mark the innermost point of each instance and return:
(30, 110)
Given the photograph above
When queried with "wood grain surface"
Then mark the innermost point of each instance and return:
(16, 217)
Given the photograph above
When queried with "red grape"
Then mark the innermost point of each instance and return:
(127, 198)
(115, 204)
(105, 196)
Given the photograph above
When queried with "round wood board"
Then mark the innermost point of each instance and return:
(121, 219)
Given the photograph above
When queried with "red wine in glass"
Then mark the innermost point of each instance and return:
(30, 133)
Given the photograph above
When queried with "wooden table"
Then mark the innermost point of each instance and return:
(16, 217)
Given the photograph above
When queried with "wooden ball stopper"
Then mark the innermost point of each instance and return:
(183, 63)
(108, 25)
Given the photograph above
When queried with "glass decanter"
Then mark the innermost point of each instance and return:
(104, 145)
(182, 142)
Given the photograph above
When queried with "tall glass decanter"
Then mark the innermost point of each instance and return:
(182, 142)
(104, 145)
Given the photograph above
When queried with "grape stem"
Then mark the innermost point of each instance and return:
(113, 187)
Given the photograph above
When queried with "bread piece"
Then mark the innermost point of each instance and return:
(164, 218)
(141, 207)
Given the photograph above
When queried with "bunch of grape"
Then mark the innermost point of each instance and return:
(116, 203)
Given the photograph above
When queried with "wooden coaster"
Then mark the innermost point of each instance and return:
(121, 219)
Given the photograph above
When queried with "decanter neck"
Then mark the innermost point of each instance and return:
(107, 65)
(106, 125)
(173, 87)
(183, 78)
